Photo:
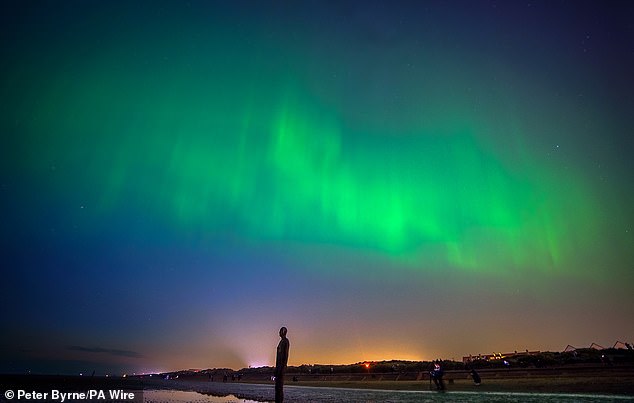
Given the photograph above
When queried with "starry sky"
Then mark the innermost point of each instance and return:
(389, 180)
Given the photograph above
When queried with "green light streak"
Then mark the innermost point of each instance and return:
(290, 169)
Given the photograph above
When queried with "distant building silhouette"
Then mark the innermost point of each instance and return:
(496, 356)
(621, 345)
(569, 349)
(617, 345)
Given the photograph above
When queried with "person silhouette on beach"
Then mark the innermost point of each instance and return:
(476, 377)
(280, 365)
(436, 375)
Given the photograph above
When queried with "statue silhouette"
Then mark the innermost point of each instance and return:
(280, 365)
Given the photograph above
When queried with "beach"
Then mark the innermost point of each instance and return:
(578, 384)
(574, 386)
(247, 393)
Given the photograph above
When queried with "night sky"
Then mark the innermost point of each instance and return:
(389, 180)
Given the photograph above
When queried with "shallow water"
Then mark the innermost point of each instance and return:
(295, 394)
(178, 396)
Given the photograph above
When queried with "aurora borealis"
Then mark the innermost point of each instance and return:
(406, 180)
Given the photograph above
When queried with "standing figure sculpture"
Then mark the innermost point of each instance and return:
(280, 365)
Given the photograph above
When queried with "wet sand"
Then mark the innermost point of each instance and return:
(298, 394)
(571, 386)
(375, 392)
(598, 385)
(617, 380)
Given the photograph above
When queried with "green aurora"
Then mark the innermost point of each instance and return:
(287, 167)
